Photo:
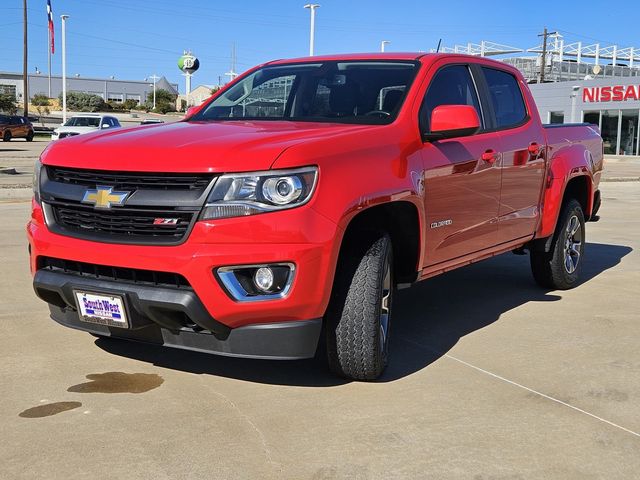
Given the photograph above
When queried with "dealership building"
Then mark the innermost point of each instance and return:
(110, 89)
(580, 82)
(611, 103)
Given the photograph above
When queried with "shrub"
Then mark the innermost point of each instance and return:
(84, 102)
(129, 104)
(40, 100)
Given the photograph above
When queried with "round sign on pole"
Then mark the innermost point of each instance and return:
(188, 63)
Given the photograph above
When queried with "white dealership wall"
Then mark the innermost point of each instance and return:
(617, 117)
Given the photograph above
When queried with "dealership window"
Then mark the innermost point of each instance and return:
(591, 117)
(628, 133)
(556, 117)
(115, 97)
(609, 130)
(8, 90)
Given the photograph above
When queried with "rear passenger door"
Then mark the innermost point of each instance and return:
(522, 160)
(462, 189)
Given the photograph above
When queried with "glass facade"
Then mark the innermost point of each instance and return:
(619, 129)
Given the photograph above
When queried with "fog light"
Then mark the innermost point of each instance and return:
(253, 283)
(263, 278)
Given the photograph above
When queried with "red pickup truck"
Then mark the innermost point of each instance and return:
(300, 197)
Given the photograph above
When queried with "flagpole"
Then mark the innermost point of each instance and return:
(49, 51)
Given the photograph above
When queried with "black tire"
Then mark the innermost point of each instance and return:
(30, 136)
(560, 268)
(7, 136)
(359, 313)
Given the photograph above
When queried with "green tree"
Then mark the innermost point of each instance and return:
(8, 104)
(41, 102)
(165, 101)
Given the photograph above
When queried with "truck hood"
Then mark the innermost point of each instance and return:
(75, 129)
(230, 146)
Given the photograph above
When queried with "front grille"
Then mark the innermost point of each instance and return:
(130, 180)
(67, 134)
(120, 274)
(122, 223)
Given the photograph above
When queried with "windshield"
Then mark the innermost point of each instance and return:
(369, 92)
(83, 122)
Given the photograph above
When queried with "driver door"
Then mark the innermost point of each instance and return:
(462, 175)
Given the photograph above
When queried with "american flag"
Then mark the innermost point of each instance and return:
(50, 18)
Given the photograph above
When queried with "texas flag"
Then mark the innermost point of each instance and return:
(50, 18)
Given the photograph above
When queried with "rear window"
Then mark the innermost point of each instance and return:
(506, 98)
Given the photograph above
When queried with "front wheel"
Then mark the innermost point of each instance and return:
(7, 136)
(560, 267)
(359, 314)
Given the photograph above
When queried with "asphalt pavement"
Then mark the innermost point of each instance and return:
(491, 377)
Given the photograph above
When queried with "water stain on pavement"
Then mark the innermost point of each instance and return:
(49, 409)
(118, 382)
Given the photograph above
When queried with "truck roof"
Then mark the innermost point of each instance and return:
(355, 56)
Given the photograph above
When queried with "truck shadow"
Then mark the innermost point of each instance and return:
(429, 319)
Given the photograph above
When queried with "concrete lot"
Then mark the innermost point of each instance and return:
(491, 378)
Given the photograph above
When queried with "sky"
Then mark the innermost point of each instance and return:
(134, 39)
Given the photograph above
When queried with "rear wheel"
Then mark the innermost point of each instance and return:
(359, 314)
(560, 267)
(7, 136)
(30, 137)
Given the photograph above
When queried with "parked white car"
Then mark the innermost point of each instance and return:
(85, 123)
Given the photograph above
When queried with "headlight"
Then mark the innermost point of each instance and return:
(237, 195)
(36, 180)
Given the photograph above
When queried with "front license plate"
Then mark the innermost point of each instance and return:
(102, 309)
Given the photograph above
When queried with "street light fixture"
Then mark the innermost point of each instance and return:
(64, 68)
(383, 43)
(312, 7)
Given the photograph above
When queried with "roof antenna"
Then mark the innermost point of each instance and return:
(439, 43)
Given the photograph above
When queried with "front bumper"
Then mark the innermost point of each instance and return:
(300, 236)
(176, 318)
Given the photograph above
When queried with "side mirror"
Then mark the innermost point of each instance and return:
(105, 125)
(449, 121)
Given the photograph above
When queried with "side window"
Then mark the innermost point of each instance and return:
(451, 85)
(115, 122)
(506, 97)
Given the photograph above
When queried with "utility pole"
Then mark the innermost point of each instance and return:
(232, 73)
(312, 33)
(25, 73)
(543, 64)
(543, 67)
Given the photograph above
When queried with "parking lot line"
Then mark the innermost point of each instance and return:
(524, 387)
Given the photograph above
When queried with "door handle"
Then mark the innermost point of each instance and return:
(534, 149)
(490, 156)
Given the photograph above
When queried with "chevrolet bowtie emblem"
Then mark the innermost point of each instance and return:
(104, 197)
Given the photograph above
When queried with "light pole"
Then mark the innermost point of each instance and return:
(383, 43)
(64, 68)
(154, 77)
(312, 33)
(25, 73)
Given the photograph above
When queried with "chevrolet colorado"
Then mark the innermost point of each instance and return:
(299, 197)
